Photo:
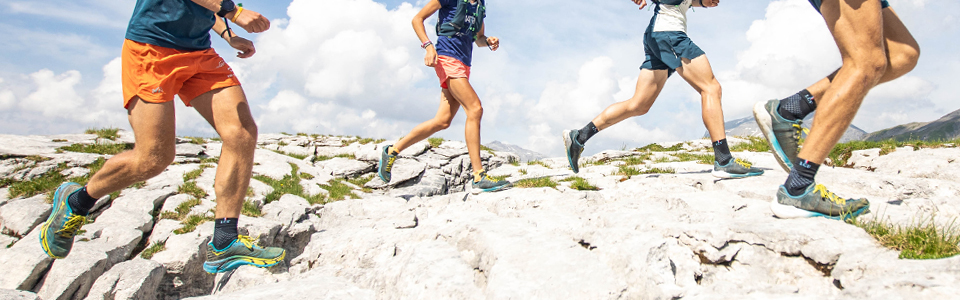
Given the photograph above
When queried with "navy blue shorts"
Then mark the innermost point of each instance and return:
(816, 4)
(664, 49)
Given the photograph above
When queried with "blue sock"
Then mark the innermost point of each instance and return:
(721, 152)
(80, 202)
(224, 232)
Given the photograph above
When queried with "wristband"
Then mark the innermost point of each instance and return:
(701, 4)
(237, 14)
(425, 44)
(226, 7)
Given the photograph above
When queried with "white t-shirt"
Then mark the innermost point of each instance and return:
(672, 17)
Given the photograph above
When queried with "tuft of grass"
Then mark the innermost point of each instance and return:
(97, 148)
(138, 185)
(515, 163)
(706, 159)
(659, 171)
(289, 184)
(488, 149)
(435, 142)
(636, 160)
(191, 222)
(523, 171)
(294, 155)
(196, 140)
(195, 173)
(537, 162)
(251, 210)
(361, 181)
(921, 240)
(320, 158)
(153, 249)
(306, 176)
(46, 183)
(581, 184)
(184, 208)
(535, 183)
(658, 148)
(753, 144)
(339, 191)
(210, 160)
(365, 141)
(191, 188)
(105, 133)
(282, 143)
(628, 171)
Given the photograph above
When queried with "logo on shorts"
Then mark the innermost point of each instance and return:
(157, 90)
(221, 64)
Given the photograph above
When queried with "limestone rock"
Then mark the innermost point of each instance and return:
(20, 216)
(189, 150)
(24, 263)
(135, 279)
(345, 167)
(319, 287)
(288, 210)
(403, 170)
(183, 260)
(17, 295)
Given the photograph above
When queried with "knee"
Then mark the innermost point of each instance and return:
(713, 90)
(637, 108)
(904, 60)
(155, 162)
(242, 135)
(872, 65)
(441, 124)
(475, 113)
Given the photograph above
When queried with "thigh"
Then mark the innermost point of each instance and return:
(902, 49)
(211, 73)
(448, 106)
(698, 73)
(225, 108)
(154, 126)
(461, 91)
(857, 27)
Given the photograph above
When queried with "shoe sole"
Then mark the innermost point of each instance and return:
(379, 166)
(765, 122)
(791, 212)
(493, 189)
(232, 263)
(725, 175)
(46, 225)
(566, 143)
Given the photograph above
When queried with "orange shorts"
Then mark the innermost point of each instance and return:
(449, 67)
(156, 74)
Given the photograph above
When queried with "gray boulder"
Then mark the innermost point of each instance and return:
(20, 216)
(135, 280)
(23, 263)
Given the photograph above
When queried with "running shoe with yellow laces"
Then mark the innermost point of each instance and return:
(386, 163)
(243, 251)
(783, 136)
(817, 201)
(484, 184)
(56, 234)
(736, 168)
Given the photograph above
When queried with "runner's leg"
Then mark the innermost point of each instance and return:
(154, 129)
(859, 36)
(649, 85)
(698, 73)
(463, 92)
(227, 110)
(448, 109)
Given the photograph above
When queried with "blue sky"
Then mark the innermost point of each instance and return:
(355, 67)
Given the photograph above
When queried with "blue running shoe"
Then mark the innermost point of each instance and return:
(56, 234)
(817, 201)
(386, 164)
(783, 136)
(487, 185)
(574, 149)
(736, 168)
(243, 251)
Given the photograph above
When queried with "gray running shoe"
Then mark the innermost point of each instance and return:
(243, 251)
(783, 136)
(386, 164)
(736, 168)
(486, 185)
(817, 201)
(56, 234)
(574, 148)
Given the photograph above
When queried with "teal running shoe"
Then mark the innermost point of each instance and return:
(487, 185)
(783, 136)
(386, 164)
(574, 149)
(736, 168)
(817, 201)
(56, 234)
(243, 251)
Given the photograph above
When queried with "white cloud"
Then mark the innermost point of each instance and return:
(96, 12)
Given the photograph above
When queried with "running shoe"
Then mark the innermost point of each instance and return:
(56, 234)
(736, 168)
(386, 164)
(783, 136)
(817, 201)
(243, 251)
(574, 148)
(487, 185)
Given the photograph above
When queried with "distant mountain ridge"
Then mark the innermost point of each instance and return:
(748, 127)
(525, 154)
(945, 128)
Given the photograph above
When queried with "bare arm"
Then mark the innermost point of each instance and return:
(643, 3)
(428, 10)
(706, 3)
(482, 40)
(251, 21)
(244, 45)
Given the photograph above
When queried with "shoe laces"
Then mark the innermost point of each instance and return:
(825, 194)
(744, 163)
(390, 161)
(73, 224)
(247, 241)
(798, 131)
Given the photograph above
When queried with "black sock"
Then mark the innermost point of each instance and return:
(721, 152)
(586, 133)
(798, 106)
(224, 232)
(81, 202)
(801, 177)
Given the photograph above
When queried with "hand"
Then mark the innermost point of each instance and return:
(430, 59)
(244, 45)
(251, 21)
(642, 3)
(493, 43)
(710, 3)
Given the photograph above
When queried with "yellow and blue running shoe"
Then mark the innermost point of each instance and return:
(817, 201)
(56, 234)
(243, 251)
(486, 185)
(783, 136)
(736, 168)
(574, 149)
(386, 164)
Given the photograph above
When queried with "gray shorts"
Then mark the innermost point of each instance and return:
(664, 49)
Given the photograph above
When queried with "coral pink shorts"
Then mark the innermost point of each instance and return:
(449, 67)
